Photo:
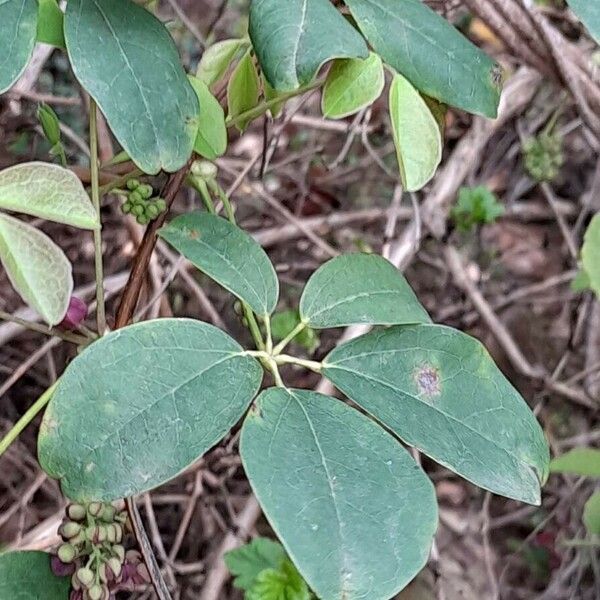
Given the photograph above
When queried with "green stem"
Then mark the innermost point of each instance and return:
(284, 359)
(117, 183)
(269, 342)
(26, 419)
(63, 335)
(253, 326)
(288, 338)
(200, 186)
(100, 309)
(263, 107)
(224, 198)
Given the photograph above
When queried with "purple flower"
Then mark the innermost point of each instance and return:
(76, 314)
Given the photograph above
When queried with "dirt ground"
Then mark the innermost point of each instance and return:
(308, 188)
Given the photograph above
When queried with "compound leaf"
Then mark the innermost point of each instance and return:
(217, 58)
(417, 135)
(293, 39)
(352, 84)
(355, 513)
(589, 14)
(141, 404)
(50, 25)
(126, 60)
(49, 192)
(211, 140)
(37, 268)
(437, 59)
(227, 254)
(359, 288)
(579, 461)
(590, 253)
(439, 390)
(247, 562)
(277, 584)
(243, 90)
(27, 575)
(18, 23)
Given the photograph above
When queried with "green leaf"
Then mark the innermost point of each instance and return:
(355, 513)
(49, 192)
(211, 140)
(588, 12)
(590, 253)
(476, 206)
(50, 24)
(351, 85)
(37, 268)
(227, 254)
(279, 584)
(417, 135)
(359, 288)
(581, 281)
(141, 404)
(126, 60)
(27, 575)
(271, 94)
(243, 90)
(439, 390)
(217, 58)
(293, 39)
(248, 561)
(591, 514)
(430, 53)
(579, 461)
(18, 22)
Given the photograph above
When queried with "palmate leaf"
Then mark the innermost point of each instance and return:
(246, 563)
(228, 255)
(359, 288)
(439, 390)
(355, 513)
(18, 23)
(49, 192)
(37, 268)
(293, 39)
(437, 59)
(126, 60)
(141, 404)
(27, 575)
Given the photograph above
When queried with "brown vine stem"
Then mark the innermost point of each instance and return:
(129, 300)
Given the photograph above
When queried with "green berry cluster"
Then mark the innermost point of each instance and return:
(92, 535)
(141, 204)
(543, 156)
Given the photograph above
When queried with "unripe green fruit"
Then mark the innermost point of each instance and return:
(75, 584)
(69, 530)
(66, 553)
(119, 552)
(108, 514)
(126, 208)
(142, 219)
(101, 533)
(85, 576)
(133, 184)
(111, 534)
(95, 508)
(118, 533)
(160, 204)
(76, 512)
(102, 572)
(145, 191)
(138, 210)
(204, 169)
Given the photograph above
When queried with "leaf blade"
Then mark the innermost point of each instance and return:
(228, 255)
(351, 85)
(359, 288)
(297, 464)
(438, 390)
(27, 575)
(18, 22)
(589, 14)
(37, 268)
(437, 59)
(243, 90)
(49, 192)
(211, 140)
(116, 427)
(578, 461)
(247, 562)
(417, 136)
(137, 80)
(294, 39)
(590, 253)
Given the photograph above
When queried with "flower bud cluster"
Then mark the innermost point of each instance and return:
(141, 204)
